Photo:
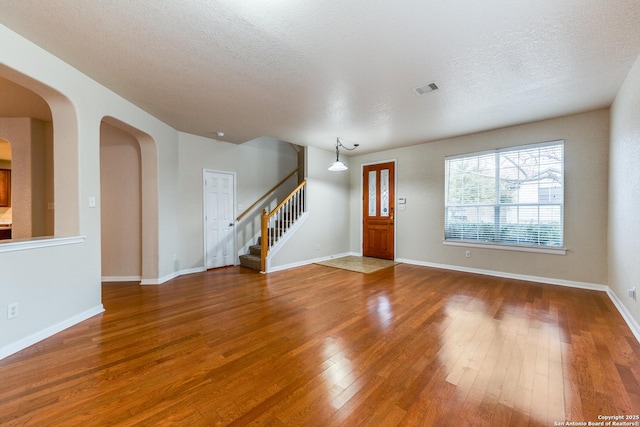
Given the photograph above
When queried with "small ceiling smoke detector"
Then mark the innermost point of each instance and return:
(421, 90)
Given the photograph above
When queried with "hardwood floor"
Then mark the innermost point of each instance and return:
(319, 346)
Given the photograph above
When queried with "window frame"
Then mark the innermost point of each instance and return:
(497, 205)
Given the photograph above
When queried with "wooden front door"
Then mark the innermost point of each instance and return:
(378, 210)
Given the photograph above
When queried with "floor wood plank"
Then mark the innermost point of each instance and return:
(315, 345)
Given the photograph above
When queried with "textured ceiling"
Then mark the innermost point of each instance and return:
(310, 71)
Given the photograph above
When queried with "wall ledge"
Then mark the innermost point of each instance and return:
(37, 243)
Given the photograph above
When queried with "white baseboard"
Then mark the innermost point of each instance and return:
(164, 279)
(626, 315)
(121, 278)
(23, 343)
(192, 270)
(309, 261)
(538, 279)
(160, 280)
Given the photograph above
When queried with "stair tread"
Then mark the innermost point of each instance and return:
(253, 258)
(250, 261)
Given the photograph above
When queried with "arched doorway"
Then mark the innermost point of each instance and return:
(120, 205)
(26, 163)
(129, 203)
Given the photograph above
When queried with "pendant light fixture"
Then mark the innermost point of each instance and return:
(338, 165)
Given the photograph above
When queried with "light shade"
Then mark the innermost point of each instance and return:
(338, 166)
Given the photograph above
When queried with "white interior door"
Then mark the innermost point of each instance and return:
(219, 219)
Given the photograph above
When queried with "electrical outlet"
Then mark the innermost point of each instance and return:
(467, 254)
(631, 293)
(12, 310)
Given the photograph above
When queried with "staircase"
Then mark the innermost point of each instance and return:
(276, 226)
(252, 259)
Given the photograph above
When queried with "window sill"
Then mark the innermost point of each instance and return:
(38, 242)
(518, 248)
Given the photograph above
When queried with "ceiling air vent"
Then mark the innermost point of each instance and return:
(426, 88)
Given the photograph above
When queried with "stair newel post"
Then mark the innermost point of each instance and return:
(264, 240)
(274, 226)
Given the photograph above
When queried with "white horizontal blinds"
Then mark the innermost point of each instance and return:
(471, 197)
(531, 196)
(511, 196)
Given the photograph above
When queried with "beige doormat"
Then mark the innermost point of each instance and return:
(358, 263)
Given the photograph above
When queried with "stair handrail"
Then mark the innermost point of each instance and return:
(265, 240)
(265, 195)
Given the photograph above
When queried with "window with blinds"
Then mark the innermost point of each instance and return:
(512, 196)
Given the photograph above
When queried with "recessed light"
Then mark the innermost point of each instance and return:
(220, 134)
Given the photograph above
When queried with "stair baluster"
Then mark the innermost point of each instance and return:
(276, 224)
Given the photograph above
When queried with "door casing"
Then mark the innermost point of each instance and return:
(232, 212)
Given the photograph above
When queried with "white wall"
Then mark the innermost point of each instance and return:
(326, 231)
(259, 165)
(59, 285)
(420, 175)
(624, 193)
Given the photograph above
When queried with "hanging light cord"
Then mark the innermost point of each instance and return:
(339, 144)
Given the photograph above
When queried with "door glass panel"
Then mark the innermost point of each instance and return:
(384, 192)
(372, 193)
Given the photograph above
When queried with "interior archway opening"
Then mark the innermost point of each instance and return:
(128, 188)
(27, 205)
